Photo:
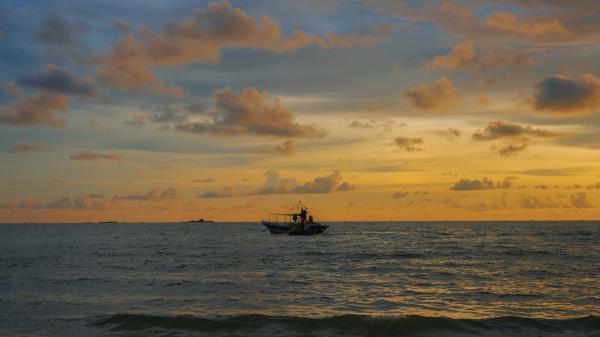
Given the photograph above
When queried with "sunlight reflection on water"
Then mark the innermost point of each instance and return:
(50, 273)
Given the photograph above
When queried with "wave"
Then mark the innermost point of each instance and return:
(354, 325)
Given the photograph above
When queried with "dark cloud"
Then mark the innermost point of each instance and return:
(224, 193)
(441, 94)
(464, 56)
(56, 86)
(275, 184)
(516, 138)
(205, 180)
(409, 144)
(568, 171)
(59, 81)
(564, 95)
(579, 200)
(399, 195)
(453, 132)
(325, 184)
(63, 203)
(37, 109)
(136, 121)
(28, 204)
(345, 186)
(120, 26)
(93, 201)
(450, 133)
(89, 155)
(512, 149)
(168, 114)
(385, 125)
(83, 202)
(286, 148)
(533, 202)
(476, 184)
(250, 112)
(26, 147)
(58, 30)
(500, 129)
(359, 124)
(152, 195)
(197, 108)
(96, 201)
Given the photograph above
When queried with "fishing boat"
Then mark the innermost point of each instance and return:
(299, 221)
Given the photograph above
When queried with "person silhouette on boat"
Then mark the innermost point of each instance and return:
(303, 213)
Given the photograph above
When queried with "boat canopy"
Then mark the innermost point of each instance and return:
(295, 214)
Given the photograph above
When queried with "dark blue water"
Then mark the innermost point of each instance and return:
(357, 279)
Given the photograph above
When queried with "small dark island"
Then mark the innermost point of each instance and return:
(199, 220)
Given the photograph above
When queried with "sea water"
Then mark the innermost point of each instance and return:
(357, 279)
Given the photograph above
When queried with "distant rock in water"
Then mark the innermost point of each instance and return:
(199, 220)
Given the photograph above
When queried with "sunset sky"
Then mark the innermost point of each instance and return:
(364, 110)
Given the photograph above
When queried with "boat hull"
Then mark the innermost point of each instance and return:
(275, 228)
(308, 229)
(295, 229)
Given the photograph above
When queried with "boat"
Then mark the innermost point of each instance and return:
(299, 221)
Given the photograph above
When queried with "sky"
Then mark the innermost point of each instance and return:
(361, 109)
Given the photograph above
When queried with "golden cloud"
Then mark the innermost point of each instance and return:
(463, 56)
(201, 37)
(440, 94)
(250, 112)
(37, 109)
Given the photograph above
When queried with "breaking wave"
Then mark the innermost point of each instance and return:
(352, 325)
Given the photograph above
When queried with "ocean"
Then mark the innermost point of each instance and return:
(357, 279)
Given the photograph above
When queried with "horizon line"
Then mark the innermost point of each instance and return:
(254, 221)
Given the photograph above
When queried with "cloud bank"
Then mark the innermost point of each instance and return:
(324, 184)
(479, 184)
(249, 112)
(464, 56)
(200, 37)
(59, 81)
